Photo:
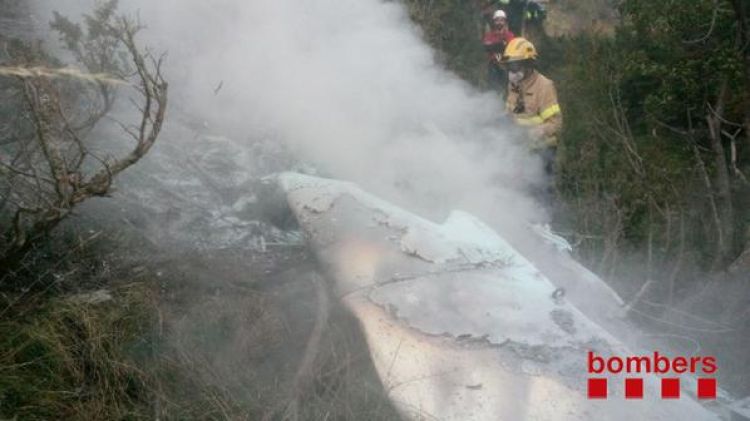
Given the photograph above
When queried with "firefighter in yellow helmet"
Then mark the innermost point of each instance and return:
(532, 98)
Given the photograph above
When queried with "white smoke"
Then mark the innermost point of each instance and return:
(350, 86)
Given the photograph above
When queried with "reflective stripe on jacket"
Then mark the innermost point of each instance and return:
(534, 103)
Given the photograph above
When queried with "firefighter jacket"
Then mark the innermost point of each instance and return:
(533, 103)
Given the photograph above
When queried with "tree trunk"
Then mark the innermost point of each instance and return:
(742, 13)
(723, 183)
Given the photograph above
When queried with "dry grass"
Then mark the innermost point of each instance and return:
(68, 359)
(170, 345)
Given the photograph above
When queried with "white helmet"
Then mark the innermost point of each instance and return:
(499, 14)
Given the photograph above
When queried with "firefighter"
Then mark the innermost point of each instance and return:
(522, 14)
(500, 27)
(495, 40)
(532, 100)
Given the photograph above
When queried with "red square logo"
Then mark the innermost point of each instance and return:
(706, 388)
(670, 388)
(633, 388)
(598, 388)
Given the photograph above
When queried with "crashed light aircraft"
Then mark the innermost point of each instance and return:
(460, 325)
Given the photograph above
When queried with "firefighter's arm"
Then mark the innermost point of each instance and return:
(552, 126)
(551, 117)
(545, 135)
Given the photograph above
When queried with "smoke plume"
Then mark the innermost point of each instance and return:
(350, 87)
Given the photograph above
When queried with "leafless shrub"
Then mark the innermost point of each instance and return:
(47, 166)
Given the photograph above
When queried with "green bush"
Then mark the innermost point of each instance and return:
(638, 143)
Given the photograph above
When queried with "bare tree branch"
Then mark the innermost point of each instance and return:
(44, 175)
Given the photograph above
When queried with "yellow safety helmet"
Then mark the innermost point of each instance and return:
(519, 49)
